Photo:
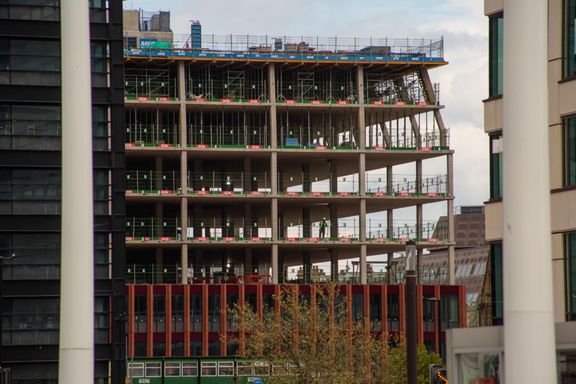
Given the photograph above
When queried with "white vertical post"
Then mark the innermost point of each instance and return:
(528, 300)
(76, 355)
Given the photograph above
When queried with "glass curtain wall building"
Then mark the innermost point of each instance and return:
(30, 187)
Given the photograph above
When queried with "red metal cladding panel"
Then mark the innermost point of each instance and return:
(241, 333)
(420, 313)
(402, 307)
(168, 321)
(204, 320)
(150, 321)
(366, 293)
(187, 321)
(223, 319)
(131, 294)
(437, 318)
(384, 319)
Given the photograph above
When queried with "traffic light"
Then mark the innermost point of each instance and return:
(437, 374)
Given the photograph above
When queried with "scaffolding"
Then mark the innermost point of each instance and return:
(150, 83)
(221, 128)
(230, 82)
(329, 85)
(392, 88)
(152, 126)
(404, 129)
(313, 129)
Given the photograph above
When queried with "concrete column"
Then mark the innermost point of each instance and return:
(362, 221)
(248, 261)
(76, 348)
(333, 221)
(450, 214)
(274, 219)
(272, 98)
(361, 109)
(362, 174)
(158, 169)
(307, 267)
(363, 265)
(334, 264)
(333, 167)
(183, 124)
(419, 220)
(274, 173)
(529, 339)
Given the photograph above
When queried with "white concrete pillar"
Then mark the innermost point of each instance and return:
(450, 214)
(529, 342)
(76, 350)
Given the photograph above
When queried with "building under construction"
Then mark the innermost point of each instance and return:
(252, 156)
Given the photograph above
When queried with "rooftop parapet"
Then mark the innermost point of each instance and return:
(246, 47)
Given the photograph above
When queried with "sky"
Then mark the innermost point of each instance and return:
(462, 24)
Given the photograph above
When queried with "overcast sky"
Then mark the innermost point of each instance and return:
(463, 83)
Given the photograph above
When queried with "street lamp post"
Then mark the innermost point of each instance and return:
(411, 316)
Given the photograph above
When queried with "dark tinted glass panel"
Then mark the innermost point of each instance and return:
(570, 38)
(497, 282)
(570, 151)
(496, 166)
(496, 55)
(30, 321)
(571, 275)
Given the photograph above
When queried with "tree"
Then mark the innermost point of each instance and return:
(316, 337)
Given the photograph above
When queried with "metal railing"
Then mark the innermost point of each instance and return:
(152, 135)
(150, 228)
(302, 47)
(239, 228)
(138, 181)
(229, 182)
(229, 136)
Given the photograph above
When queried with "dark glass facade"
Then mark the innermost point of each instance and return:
(496, 263)
(496, 55)
(570, 264)
(30, 188)
(569, 38)
(570, 151)
(496, 166)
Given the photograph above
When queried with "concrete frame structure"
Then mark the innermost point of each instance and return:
(287, 223)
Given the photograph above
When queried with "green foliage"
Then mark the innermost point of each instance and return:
(321, 345)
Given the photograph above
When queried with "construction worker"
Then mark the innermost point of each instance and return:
(323, 226)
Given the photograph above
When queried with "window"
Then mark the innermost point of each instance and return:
(195, 312)
(171, 369)
(570, 38)
(496, 54)
(135, 369)
(214, 312)
(496, 165)
(208, 368)
(159, 312)
(153, 369)
(570, 265)
(30, 10)
(30, 321)
(39, 127)
(497, 283)
(190, 369)
(244, 368)
(570, 151)
(226, 368)
(177, 313)
(261, 368)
